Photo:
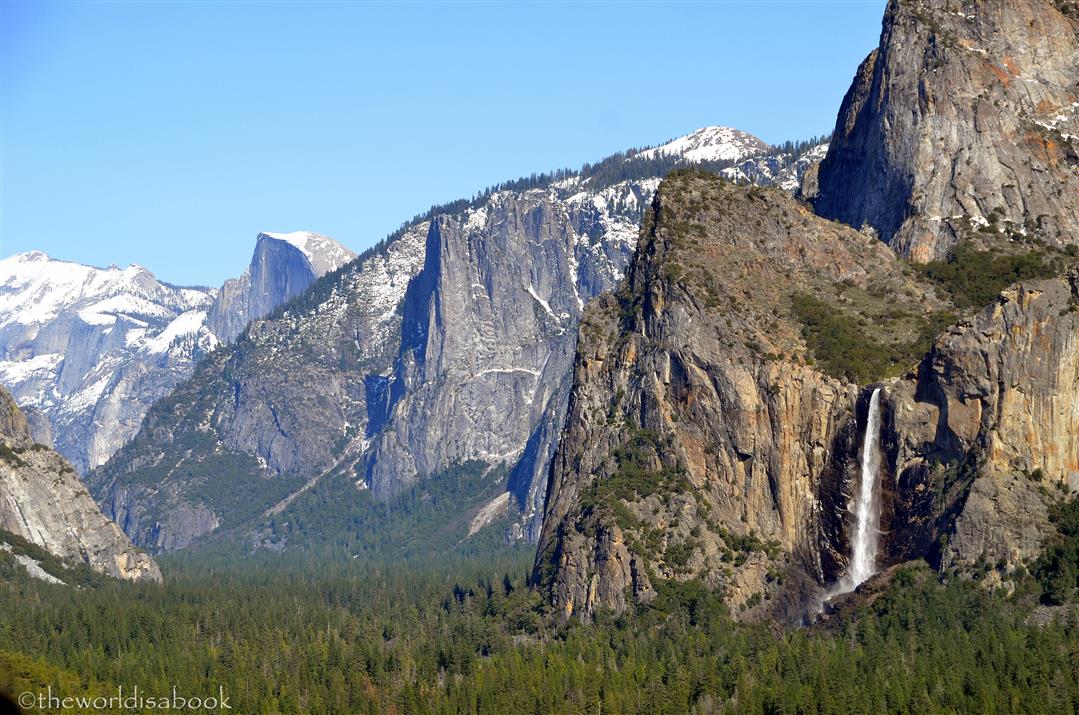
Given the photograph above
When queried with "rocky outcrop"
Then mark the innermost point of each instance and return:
(701, 441)
(282, 266)
(964, 122)
(43, 501)
(986, 434)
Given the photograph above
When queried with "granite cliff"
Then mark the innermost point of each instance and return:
(43, 501)
(282, 266)
(963, 124)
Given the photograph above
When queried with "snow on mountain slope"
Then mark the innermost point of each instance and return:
(776, 170)
(35, 289)
(711, 144)
(92, 348)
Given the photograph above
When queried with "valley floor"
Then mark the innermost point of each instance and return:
(465, 635)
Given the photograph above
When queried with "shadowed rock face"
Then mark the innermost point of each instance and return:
(43, 501)
(966, 115)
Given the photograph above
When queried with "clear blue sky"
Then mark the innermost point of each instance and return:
(170, 134)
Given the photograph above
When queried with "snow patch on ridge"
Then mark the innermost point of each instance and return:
(711, 144)
(322, 252)
(188, 323)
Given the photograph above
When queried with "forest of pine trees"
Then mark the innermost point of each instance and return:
(465, 635)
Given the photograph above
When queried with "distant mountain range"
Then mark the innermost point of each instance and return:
(449, 343)
(87, 350)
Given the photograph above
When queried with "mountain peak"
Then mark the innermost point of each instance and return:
(715, 143)
(322, 252)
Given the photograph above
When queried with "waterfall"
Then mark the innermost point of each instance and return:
(864, 504)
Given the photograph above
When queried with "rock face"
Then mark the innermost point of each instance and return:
(282, 267)
(982, 437)
(451, 342)
(964, 121)
(43, 501)
(489, 326)
(700, 441)
(89, 349)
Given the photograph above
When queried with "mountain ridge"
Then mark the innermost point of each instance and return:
(90, 349)
(358, 370)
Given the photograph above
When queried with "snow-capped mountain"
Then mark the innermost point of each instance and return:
(88, 346)
(91, 349)
(711, 144)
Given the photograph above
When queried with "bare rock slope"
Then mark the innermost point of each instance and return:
(963, 122)
(43, 501)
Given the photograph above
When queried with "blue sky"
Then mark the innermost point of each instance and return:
(170, 134)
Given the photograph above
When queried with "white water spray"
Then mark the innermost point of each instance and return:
(863, 557)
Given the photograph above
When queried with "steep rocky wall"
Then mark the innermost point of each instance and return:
(488, 332)
(700, 442)
(43, 500)
(986, 434)
(964, 120)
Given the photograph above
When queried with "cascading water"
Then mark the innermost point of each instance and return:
(863, 556)
(866, 507)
